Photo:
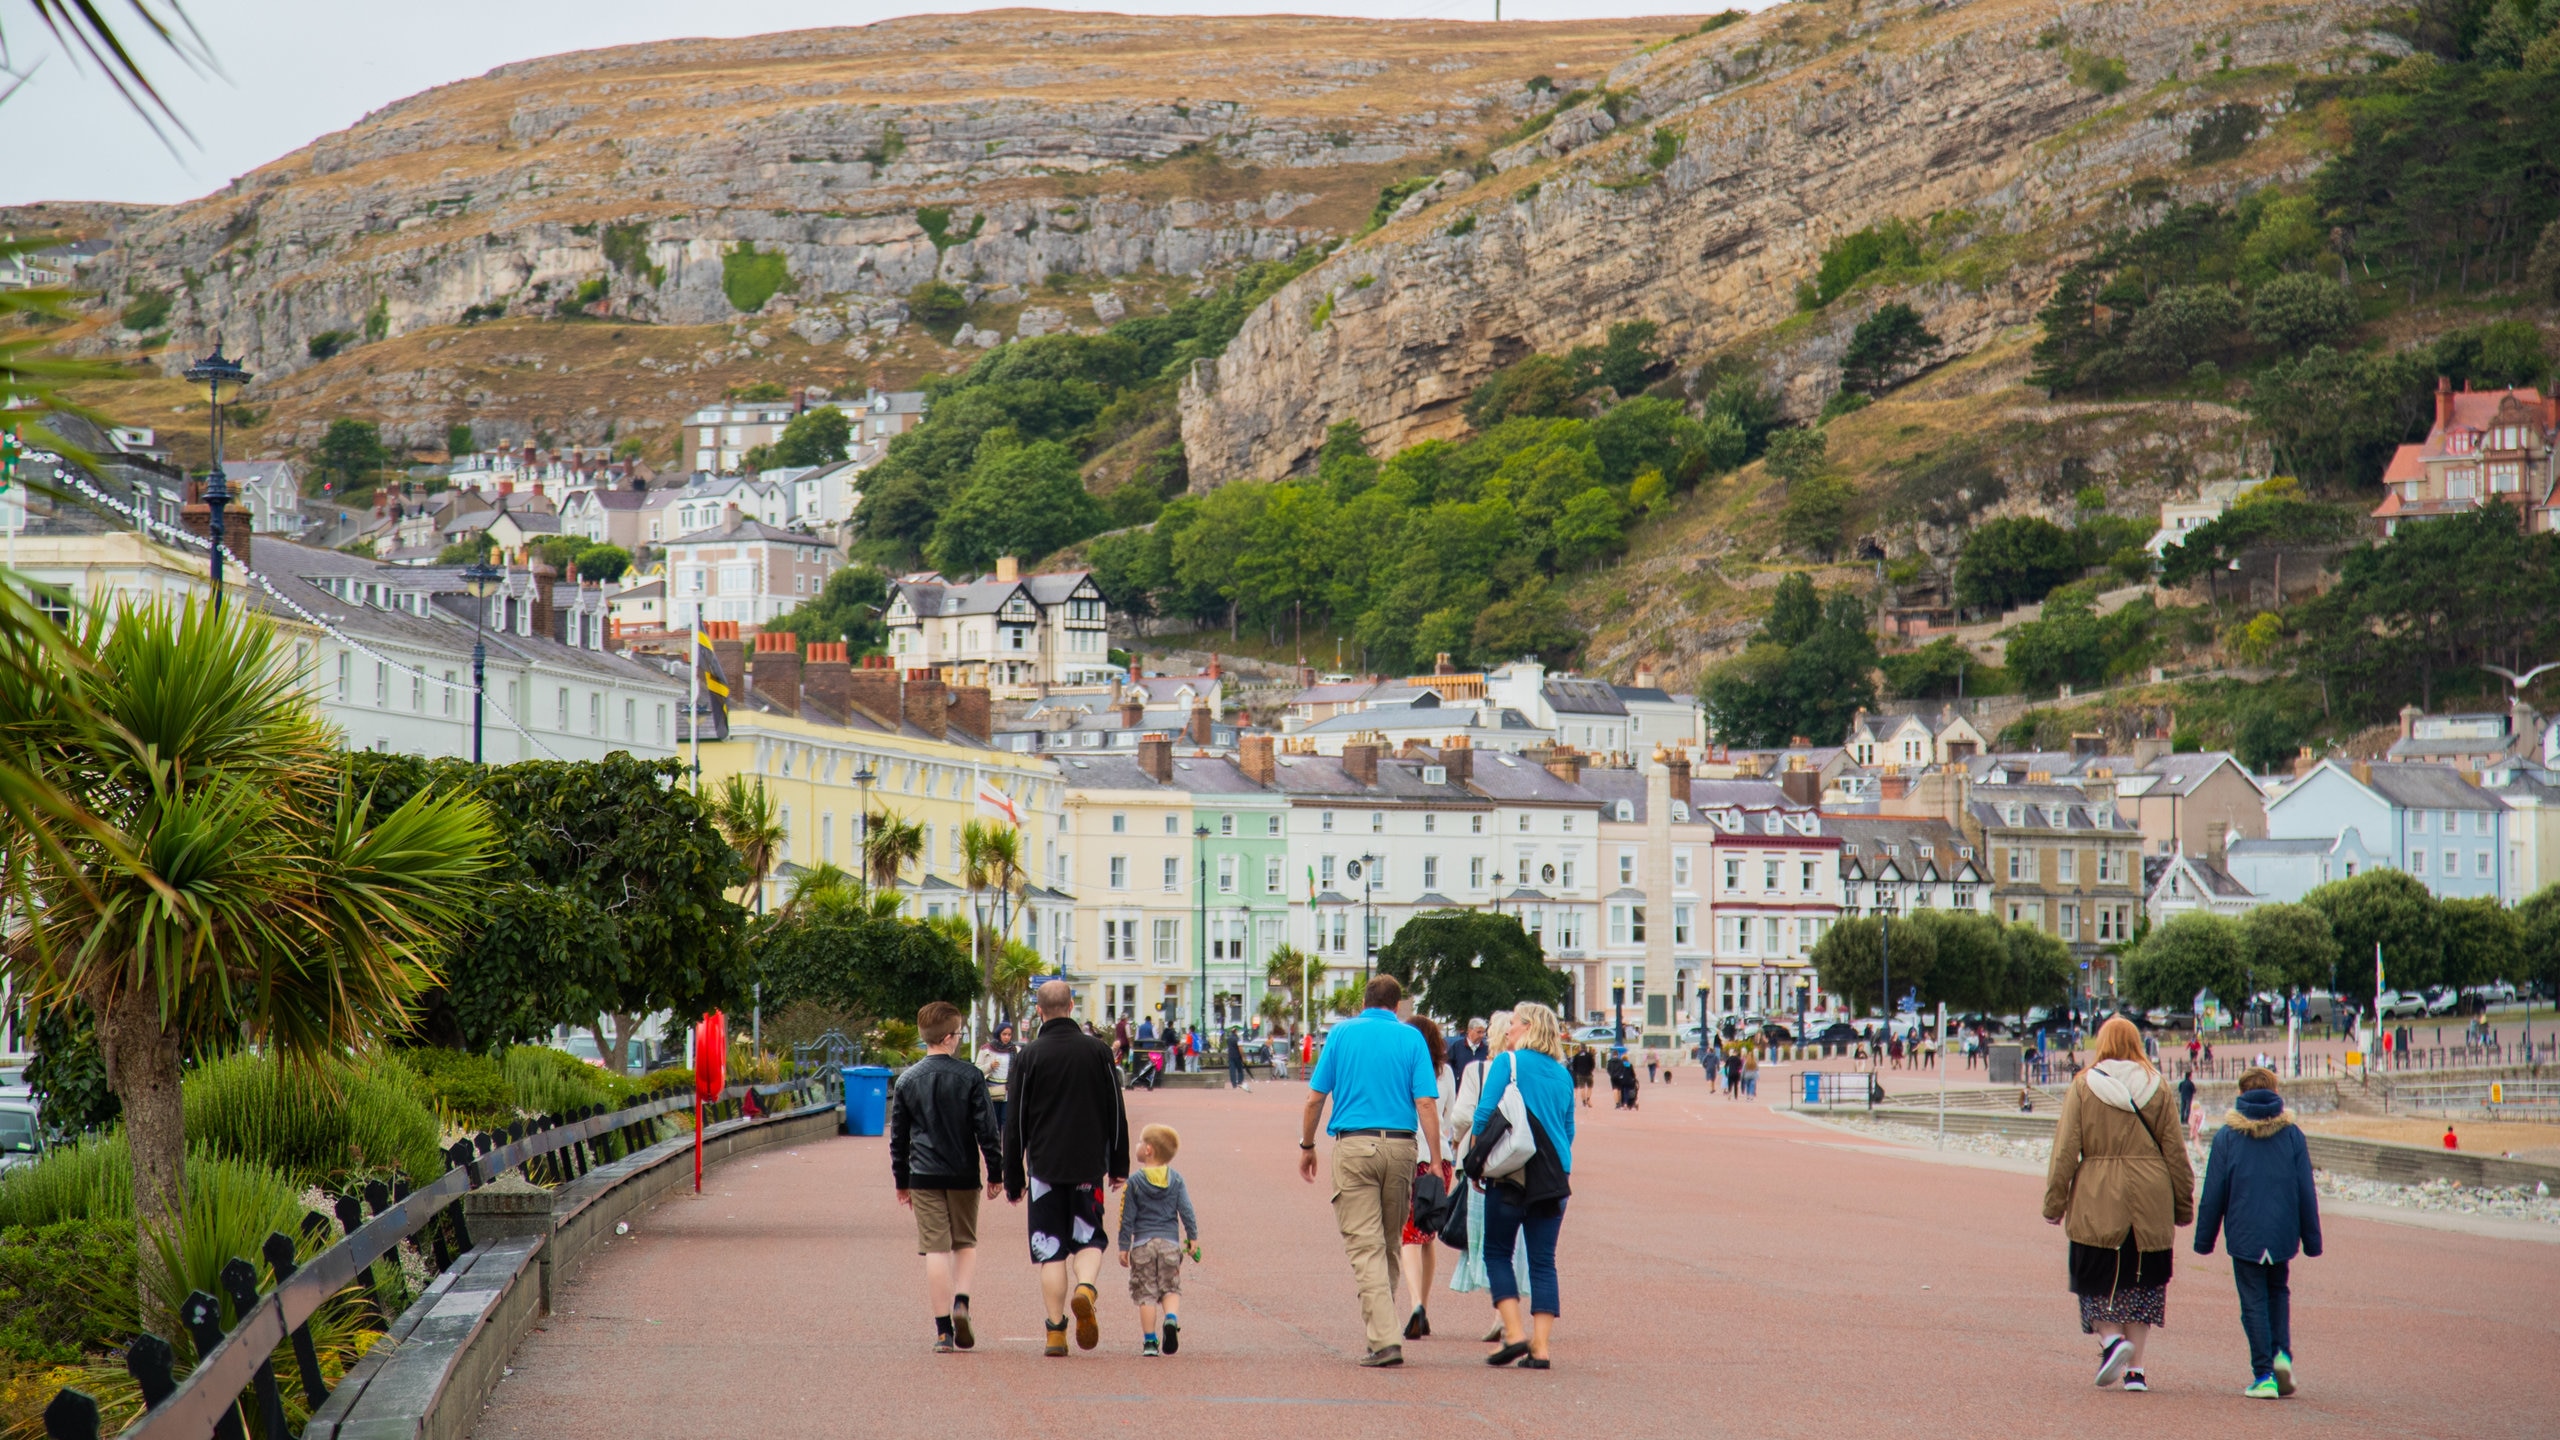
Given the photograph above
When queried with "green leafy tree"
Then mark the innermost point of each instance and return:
(1853, 257)
(457, 439)
(2195, 952)
(1856, 958)
(1806, 674)
(1465, 964)
(2293, 311)
(2389, 909)
(610, 899)
(1024, 500)
(1532, 620)
(1886, 346)
(847, 609)
(814, 437)
(2041, 970)
(1628, 357)
(750, 277)
(2483, 941)
(215, 882)
(1797, 455)
(603, 564)
(2015, 560)
(2538, 934)
(882, 969)
(2289, 947)
(2498, 355)
(351, 454)
(1934, 671)
(2182, 325)
(1539, 385)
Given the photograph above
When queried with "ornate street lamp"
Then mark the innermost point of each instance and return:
(213, 372)
(480, 580)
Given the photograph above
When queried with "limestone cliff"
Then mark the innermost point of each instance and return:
(992, 151)
(1701, 186)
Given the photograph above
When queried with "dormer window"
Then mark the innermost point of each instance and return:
(1435, 775)
(1626, 811)
(1773, 824)
(2459, 442)
(1680, 812)
(2009, 814)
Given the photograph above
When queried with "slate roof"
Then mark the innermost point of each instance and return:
(2430, 787)
(1583, 697)
(744, 528)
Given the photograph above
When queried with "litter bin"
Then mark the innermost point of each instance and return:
(866, 1099)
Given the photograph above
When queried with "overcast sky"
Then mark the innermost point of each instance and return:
(294, 70)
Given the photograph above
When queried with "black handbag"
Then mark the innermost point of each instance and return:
(1430, 1203)
(1453, 1226)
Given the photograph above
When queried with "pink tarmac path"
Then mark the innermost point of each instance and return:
(1726, 1271)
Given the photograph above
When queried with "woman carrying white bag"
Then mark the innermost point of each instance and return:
(1523, 1150)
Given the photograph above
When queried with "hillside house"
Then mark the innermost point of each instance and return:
(2485, 446)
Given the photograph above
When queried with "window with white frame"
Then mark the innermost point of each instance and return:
(1768, 874)
(1271, 874)
(2417, 862)
(1732, 873)
(1430, 872)
(1172, 872)
(1168, 942)
(1683, 924)
(1119, 872)
(1680, 868)
(1626, 867)
(1807, 878)
(1226, 874)
(1324, 821)
(1119, 939)
(1475, 824)
(1475, 872)
(1119, 824)
(2067, 866)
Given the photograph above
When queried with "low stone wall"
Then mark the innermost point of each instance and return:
(436, 1364)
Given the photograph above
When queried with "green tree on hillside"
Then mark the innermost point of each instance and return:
(1806, 674)
(2014, 560)
(847, 610)
(2389, 909)
(1885, 346)
(351, 455)
(1022, 500)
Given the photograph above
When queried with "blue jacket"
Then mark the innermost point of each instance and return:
(1544, 1087)
(2257, 1184)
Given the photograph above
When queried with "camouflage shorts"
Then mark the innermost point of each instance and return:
(1155, 1270)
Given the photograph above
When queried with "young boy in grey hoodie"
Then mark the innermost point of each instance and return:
(1155, 1222)
(2258, 1191)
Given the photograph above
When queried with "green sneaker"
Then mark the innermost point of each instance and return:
(2284, 1373)
(2263, 1388)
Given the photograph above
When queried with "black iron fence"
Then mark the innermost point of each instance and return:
(234, 1386)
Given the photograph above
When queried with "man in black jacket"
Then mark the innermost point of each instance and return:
(940, 1122)
(1065, 1135)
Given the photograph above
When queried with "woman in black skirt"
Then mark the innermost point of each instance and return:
(2120, 1183)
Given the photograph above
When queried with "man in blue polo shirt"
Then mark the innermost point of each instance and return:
(1385, 1092)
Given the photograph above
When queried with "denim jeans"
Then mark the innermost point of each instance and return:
(1505, 1218)
(2266, 1311)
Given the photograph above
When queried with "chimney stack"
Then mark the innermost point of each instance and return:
(1802, 785)
(777, 669)
(1008, 569)
(2363, 771)
(1133, 712)
(1200, 731)
(826, 679)
(1360, 761)
(2444, 402)
(925, 707)
(1155, 756)
(1254, 757)
(973, 712)
(2409, 715)
(730, 515)
(730, 651)
(2303, 761)
(1458, 758)
(1675, 763)
(1565, 763)
(1891, 785)
(1440, 664)
(872, 688)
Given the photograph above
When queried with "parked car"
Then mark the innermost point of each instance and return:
(2496, 992)
(1774, 1033)
(1606, 1035)
(2442, 999)
(21, 1133)
(2402, 1005)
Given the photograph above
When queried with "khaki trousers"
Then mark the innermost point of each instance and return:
(1372, 1195)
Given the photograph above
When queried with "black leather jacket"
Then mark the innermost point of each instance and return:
(940, 1123)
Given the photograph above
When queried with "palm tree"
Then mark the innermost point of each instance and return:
(749, 821)
(1295, 972)
(990, 860)
(242, 890)
(890, 843)
(829, 889)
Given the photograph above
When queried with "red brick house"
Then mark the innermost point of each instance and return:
(2485, 445)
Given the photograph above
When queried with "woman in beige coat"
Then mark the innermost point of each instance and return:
(2120, 1184)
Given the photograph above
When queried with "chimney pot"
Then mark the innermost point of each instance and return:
(1565, 763)
(776, 673)
(924, 704)
(826, 678)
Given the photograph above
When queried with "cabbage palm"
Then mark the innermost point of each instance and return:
(890, 843)
(990, 860)
(752, 825)
(229, 884)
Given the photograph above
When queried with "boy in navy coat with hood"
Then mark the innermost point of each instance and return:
(2258, 1193)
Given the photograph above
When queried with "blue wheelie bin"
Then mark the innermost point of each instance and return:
(866, 1099)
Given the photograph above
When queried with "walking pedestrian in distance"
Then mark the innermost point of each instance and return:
(1467, 1050)
(1235, 1060)
(1385, 1092)
(2186, 1098)
(1470, 1274)
(1065, 1135)
(1652, 1067)
(1751, 1072)
(2258, 1189)
(1584, 1067)
(940, 1123)
(1530, 1205)
(997, 1065)
(1421, 1248)
(2120, 1183)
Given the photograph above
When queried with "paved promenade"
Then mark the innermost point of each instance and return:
(1726, 1271)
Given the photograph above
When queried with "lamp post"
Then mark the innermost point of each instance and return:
(1364, 870)
(480, 580)
(1200, 993)
(213, 372)
(862, 779)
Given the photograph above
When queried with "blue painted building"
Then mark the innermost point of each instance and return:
(2429, 821)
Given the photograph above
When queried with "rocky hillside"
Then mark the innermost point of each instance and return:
(793, 191)
(1699, 183)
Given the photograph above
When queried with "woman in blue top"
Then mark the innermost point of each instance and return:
(1530, 1203)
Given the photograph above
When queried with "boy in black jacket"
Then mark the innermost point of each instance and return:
(2258, 1190)
(940, 1123)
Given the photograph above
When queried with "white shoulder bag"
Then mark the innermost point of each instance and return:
(1511, 1154)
